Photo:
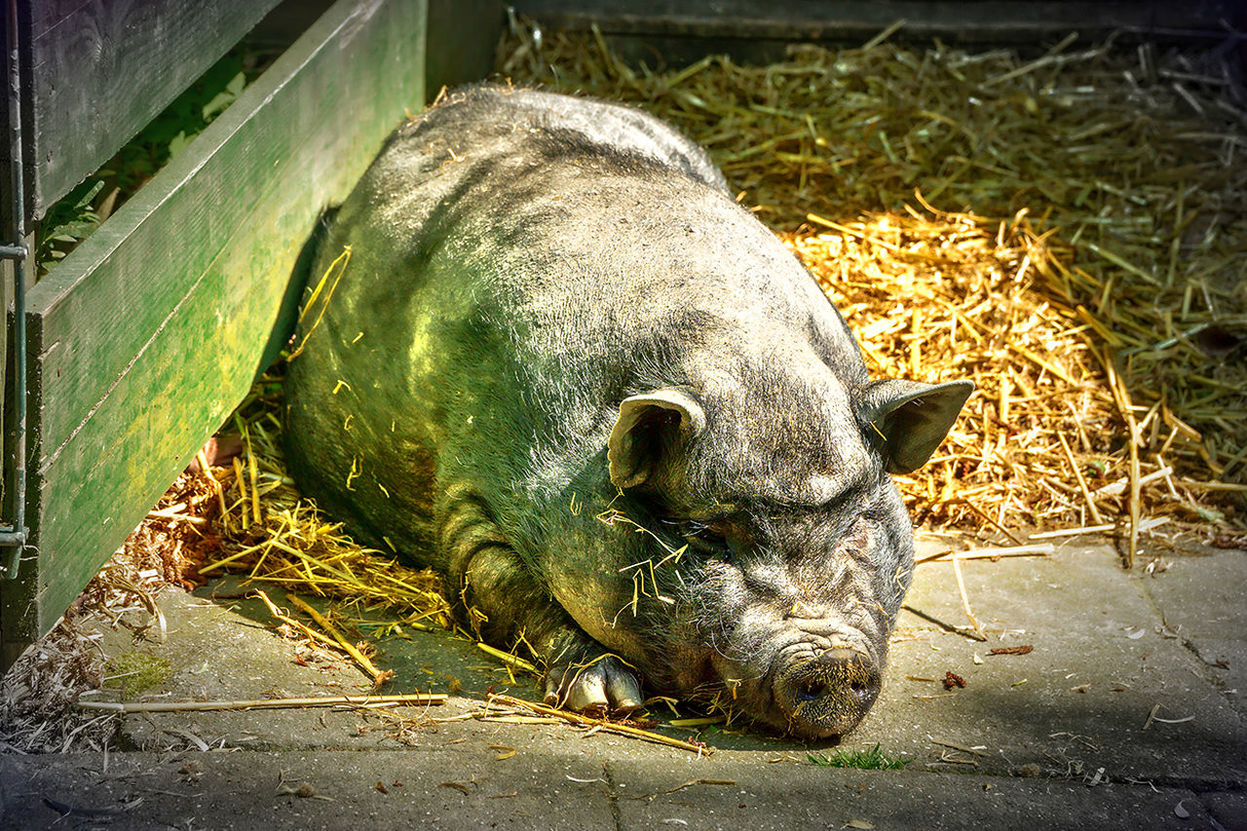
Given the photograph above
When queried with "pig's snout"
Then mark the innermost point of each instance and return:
(826, 692)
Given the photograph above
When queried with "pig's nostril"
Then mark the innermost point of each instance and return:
(829, 694)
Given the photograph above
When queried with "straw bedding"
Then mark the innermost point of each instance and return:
(1068, 231)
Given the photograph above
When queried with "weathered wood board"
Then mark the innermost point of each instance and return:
(145, 338)
(1021, 22)
(100, 71)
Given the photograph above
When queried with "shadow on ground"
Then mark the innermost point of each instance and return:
(1124, 713)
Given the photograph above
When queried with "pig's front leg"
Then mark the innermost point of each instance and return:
(504, 600)
(582, 675)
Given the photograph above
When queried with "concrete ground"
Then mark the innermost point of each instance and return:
(1128, 712)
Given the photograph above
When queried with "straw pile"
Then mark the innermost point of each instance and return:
(1066, 231)
(1063, 276)
(275, 536)
(1069, 232)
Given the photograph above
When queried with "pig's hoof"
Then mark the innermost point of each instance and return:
(606, 684)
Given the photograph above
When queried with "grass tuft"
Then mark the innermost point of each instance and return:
(872, 759)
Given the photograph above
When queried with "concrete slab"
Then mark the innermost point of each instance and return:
(1203, 601)
(1119, 716)
(1102, 663)
(229, 650)
(787, 797)
(461, 788)
(305, 790)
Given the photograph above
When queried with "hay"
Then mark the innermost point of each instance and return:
(1067, 231)
(272, 535)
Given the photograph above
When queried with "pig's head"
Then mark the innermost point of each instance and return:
(799, 547)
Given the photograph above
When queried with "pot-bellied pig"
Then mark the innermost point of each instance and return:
(562, 366)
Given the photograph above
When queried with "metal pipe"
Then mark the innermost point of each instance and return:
(15, 535)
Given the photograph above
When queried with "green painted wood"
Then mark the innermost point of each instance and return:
(149, 334)
(100, 71)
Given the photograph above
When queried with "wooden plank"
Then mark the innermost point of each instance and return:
(102, 70)
(463, 35)
(846, 21)
(146, 337)
(6, 378)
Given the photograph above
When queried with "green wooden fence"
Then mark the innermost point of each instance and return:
(143, 340)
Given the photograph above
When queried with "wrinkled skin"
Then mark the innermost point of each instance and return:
(564, 368)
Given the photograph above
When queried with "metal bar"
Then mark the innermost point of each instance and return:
(14, 536)
(13, 252)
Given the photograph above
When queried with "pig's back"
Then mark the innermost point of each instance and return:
(555, 219)
(524, 262)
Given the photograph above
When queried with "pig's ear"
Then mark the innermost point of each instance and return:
(912, 418)
(648, 422)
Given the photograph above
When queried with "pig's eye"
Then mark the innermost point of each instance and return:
(706, 536)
